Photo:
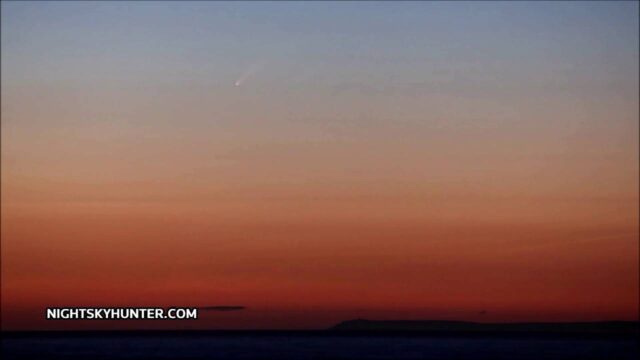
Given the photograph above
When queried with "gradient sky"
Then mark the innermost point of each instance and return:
(317, 162)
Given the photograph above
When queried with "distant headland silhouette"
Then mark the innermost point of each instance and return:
(451, 326)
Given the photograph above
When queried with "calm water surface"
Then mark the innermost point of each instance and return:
(316, 347)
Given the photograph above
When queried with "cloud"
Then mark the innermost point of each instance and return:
(222, 308)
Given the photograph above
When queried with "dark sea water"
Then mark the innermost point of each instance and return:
(316, 347)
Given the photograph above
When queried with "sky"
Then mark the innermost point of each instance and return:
(320, 161)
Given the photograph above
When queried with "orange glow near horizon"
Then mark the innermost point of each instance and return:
(287, 263)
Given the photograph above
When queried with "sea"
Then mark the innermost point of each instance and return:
(285, 346)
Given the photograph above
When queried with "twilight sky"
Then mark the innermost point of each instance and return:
(320, 161)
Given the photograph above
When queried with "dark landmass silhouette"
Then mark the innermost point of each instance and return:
(446, 326)
(222, 308)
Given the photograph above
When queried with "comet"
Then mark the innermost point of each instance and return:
(248, 73)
